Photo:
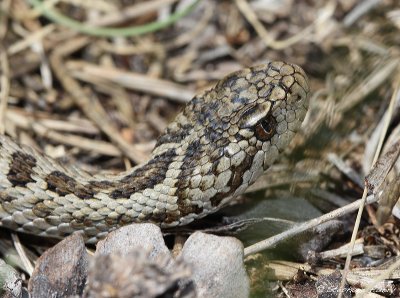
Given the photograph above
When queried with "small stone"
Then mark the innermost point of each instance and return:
(217, 265)
(62, 270)
(144, 236)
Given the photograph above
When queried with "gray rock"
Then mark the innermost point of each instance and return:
(217, 265)
(62, 270)
(144, 236)
(10, 281)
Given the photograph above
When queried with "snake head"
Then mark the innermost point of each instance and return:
(269, 120)
(226, 137)
(264, 107)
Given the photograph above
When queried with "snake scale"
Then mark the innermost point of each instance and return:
(216, 147)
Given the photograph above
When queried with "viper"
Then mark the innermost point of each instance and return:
(216, 147)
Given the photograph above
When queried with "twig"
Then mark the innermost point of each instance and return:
(134, 81)
(272, 241)
(21, 252)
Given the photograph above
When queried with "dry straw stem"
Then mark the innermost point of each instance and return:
(252, 18)
(134, 81)
(361, 9)
(273, 241)
(390, 190)
(90, 106)
(379, 75)
(22, 254)
(5, 88)
(363, 199)
(40, 128)
(4, 64)
(381, 168)
(30, 39)
(382, 72)
(359, 277)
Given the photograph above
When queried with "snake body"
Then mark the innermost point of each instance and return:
(216, 147)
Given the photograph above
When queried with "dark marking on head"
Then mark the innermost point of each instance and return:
(236, 99)
(229, 81)
(213, 134)
(175, 136)
(21, 169)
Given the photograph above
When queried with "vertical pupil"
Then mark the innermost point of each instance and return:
(265, 129)
(266, 125)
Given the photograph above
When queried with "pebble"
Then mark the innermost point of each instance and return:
(61, 271)
(143, 236)
(217, 265)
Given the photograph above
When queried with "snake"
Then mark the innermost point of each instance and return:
(218, 145)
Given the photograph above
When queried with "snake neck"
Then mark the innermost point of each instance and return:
(33, 186)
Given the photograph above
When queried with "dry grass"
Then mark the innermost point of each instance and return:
(101, 92)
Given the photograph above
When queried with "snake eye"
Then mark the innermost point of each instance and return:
(266, 128)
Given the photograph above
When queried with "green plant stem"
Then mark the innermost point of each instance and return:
(61, 19)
